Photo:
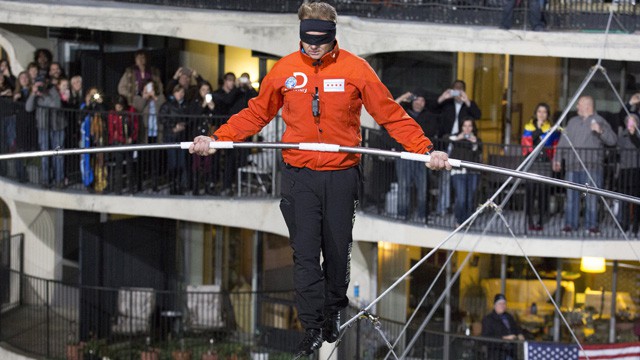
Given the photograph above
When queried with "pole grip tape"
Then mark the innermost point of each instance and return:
(426, 158)
(319, 147)
(212, 145)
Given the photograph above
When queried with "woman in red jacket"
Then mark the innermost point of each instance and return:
(321, 89)
(123, 130)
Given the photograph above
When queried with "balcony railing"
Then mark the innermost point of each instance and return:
(574, 15)
(534, 210)
(53, 320)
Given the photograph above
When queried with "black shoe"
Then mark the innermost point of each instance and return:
(331, 327)
(312, 341)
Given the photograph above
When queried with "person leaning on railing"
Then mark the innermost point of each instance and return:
(42, 99)
(23, 87)
(123, 130)
(500, 324)
(588, 132)
(467, 146)
(149, 103)
(5, 70)
(201, 168)
(629, 176)
(172, 117)
(537, 130)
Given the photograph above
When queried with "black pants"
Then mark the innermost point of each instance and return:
(319, 209)
(536, 18)
(629, 183)
(540, 192)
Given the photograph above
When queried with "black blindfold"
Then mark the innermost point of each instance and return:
(316, 25)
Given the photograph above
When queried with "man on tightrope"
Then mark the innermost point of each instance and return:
(321, 89)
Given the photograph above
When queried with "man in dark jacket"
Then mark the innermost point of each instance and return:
(502, 325)
(411, 172)
(453, 105)
(172, 118)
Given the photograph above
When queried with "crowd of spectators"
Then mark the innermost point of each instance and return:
(451, 119)
(145, 110)
(148, 110)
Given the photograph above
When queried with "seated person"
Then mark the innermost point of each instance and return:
(502, 325)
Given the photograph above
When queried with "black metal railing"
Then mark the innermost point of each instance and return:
(394, 189)
(575, 15)
(55, 320)
(52, 319)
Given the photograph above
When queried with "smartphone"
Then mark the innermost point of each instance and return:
(208, 98)
(454, 92)
(149, 87)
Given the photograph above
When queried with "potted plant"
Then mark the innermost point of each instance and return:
(149, 353)
(180, 352)
(94, 349)
(74, 351)
(211, 354)
(230, 351)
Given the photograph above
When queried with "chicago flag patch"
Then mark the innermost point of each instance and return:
(334, 85)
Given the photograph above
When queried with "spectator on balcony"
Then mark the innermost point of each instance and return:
(246, 92)
(536, 16)
(6, 90)
(123, 130)
(56, 73)
(225, 98)
(629, 176)
(65, 92)
(226, 95)
(25, 135)
(23, 87)
(172, 117)
(500, 324)
(32, 69)
(135, 77)
(184, 77)
(149, 104)
(412, 172)
(99, 133)
(633, 107)
(536, 131)
(465, 146)
(42, 99)
(93, 107)
(43, 59)
(321, 89)
(73, 118)
(76, 97)
(5, 70)
(453, 105)
(201, 166)
(588, 133)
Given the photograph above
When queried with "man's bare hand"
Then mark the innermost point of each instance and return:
(439, 161)
(200, 146)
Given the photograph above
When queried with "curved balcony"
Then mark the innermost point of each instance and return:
(559, 14)
(533, 211)
(48, 319)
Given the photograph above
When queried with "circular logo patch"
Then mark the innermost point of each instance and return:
(290, 83)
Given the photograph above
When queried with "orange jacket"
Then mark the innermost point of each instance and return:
(344, 83)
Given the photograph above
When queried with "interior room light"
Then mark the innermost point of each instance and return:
(591, 264)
